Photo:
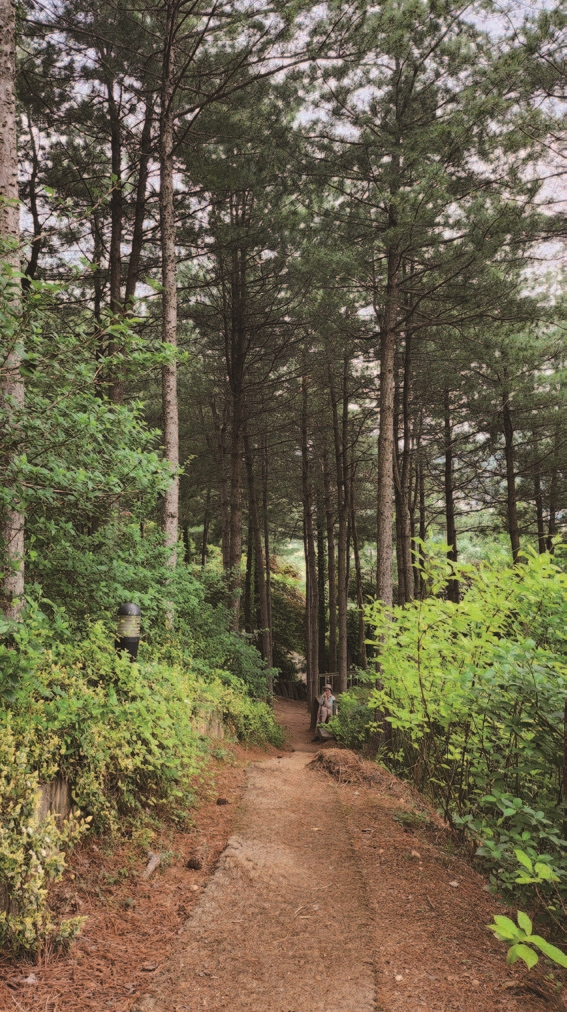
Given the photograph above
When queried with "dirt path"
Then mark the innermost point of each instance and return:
(323, 902)
(328, 887)
(283, 925)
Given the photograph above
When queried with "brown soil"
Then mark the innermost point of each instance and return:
(334, 893)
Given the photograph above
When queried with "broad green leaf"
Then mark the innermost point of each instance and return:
(521, 951)
(549, 950)
(505, 929)
(524, 922)
(524, 859)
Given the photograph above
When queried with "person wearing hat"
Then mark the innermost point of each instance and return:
(326, 701)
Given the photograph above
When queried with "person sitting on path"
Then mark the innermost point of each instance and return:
(325, 711)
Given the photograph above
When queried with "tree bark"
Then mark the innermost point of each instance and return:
(512, 508)
(321, 575)
(169, 282)
(453, 590)
(206, 523)
(342, 513)
(311, 601)
(235, 550)
(538, 500)
(265, 463)
(116, 386)
(331, 566)
(358, 572)
(265, 637)
(220, 427)
(385, 499)
(11, 380)
(553, 503)
(133, 273)
(248, 579)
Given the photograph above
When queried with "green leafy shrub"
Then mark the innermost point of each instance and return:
(473, 700)
(31, 854)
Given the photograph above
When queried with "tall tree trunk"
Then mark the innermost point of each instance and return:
(342, 513)
(385, 499)
(169, 283)
(265, 637)
(538, 499)
(248, 585)
(512, 511)
(265, 463)
(11, 381)
(31, 268)
(553, 489)
(422, 519)
(358, 572)
(220, 427)
(321, 575)
(115, 258)
(401, 591)
(133, 273)
(331, 565)
(235, 552)
(453, 591)
(206, 523)
(311, 603)
(405, 473)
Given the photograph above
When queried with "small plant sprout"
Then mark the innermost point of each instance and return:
(523, 942)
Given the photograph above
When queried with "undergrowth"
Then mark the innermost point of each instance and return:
(467, 701)
(123, 735)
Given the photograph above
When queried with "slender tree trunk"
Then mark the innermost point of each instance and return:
(134, 261)
(539, 500)
(513, 526)
(235, 554)
(385, 503)
(401, 592)
(11, 380)
(248, 585)
(267, 542)
(259, 555)
(206, 523)
(331, 566)
(342, 512)
(359, 594)
(116, 214)
(453, 591)
(33, 261)
(169, 283)
(321, 575)
(553, 490)
(97, 277)
(422, 516)
(220, 427)
(405, 473)
(311, 604)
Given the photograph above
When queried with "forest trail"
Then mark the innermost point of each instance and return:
(283, 925)
(323, 902)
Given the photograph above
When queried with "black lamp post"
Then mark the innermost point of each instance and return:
(128, 632)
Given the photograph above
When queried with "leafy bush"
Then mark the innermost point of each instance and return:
(473, 700)
(31, 853)
(125, 736)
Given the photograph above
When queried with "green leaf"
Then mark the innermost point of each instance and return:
(549, 950)
(521, 951)
(524, 859)
(505, 929)
(524, 922)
